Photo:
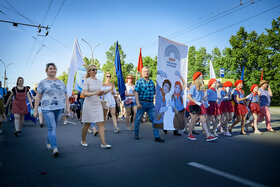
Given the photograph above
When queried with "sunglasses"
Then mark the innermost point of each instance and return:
(93, 69)
(108, 76)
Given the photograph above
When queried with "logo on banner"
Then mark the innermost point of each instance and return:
(173, 55)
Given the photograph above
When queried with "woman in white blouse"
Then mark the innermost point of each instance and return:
(109, 97)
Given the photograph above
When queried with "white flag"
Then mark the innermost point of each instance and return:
(76, 63)
(212, 72)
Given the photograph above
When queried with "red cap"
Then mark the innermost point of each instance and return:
(227, 84)
(211, 81)
(238, 82)
(196, 75)
(252, 87)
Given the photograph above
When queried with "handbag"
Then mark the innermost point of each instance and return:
(128, 101)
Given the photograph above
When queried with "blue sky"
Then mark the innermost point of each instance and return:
(134, 24)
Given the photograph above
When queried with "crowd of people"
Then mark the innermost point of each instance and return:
(213, 108)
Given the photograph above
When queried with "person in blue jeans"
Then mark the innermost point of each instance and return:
(144, 96)
(53, 95)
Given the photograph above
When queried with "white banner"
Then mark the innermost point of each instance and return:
(212, 72)
(76, 63)
(80, 78)
(172, 70)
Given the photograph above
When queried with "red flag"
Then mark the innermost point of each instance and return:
(140, 62)
(262, 75)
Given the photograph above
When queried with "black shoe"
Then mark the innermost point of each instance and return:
(137, 137)
(165, 131)
(195, 132)
(160, 140)
(176, 133)
(41, 125)
(16, 133)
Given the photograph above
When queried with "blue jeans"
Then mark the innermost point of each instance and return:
(150, 109)
(51, 118)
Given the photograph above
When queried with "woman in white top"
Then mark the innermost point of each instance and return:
(109, 93)
(92, 108)
(129, 102)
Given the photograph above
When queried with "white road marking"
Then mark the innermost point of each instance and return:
(226, 175)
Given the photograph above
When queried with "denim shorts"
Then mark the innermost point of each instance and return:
(130, 105)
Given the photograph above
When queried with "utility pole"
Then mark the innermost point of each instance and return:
(5, 66)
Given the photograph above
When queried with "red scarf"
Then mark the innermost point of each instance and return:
(255, 93)
(163, 94)
(240, 90)
(177, 94)
(213, 89)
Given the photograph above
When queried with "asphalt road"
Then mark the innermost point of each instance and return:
(231, 161)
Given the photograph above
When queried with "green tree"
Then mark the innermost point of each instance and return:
(95, 61)
(271, 68)
(151, 63)
(64, 77)
(197, 61)
(109, 66)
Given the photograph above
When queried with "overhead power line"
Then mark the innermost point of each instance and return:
(200, 23)
(58, 12)
(17, 12)
(25, 24)
(243, 20)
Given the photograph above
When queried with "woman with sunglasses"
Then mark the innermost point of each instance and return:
(19, 106)
(93, 112)
(52, 94)
(109, 92)
(130, 102)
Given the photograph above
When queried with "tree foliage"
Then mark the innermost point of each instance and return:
(109, 66)
(247, 49)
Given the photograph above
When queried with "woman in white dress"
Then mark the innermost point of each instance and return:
(92, 108)
(109, 93)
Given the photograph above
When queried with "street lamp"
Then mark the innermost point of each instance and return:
(5, 66)
(92, 50)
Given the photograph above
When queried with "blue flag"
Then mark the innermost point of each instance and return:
(121, 84)
(242, 74)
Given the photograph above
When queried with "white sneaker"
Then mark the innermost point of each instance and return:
(55, 152)
(107, 146)
(84, 144)
(49, 147)
(65, 123)
(117, 130)
(226, 133)
(215, 134)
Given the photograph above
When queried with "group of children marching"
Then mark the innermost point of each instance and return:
(217, 105)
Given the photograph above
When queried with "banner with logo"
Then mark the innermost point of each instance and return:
(172, 70)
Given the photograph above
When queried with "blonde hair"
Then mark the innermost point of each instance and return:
(198, 83)
(89, 67)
